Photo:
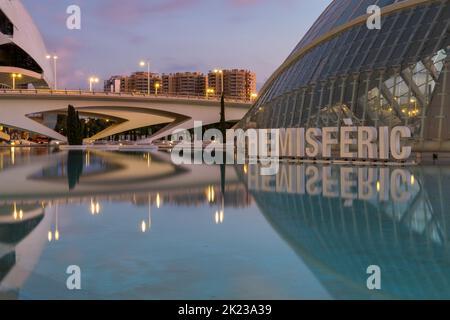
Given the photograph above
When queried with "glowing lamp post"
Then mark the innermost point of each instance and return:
(14, 77)
(220, 72)
(92, 81)
(143, 64)
(55, 59)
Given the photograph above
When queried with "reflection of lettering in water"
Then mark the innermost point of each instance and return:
(348, 183)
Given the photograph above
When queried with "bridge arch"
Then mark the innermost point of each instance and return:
(135, 111)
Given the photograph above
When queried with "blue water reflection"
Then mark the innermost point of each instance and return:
(140, 227)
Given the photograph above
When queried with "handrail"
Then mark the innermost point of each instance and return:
(80, 92)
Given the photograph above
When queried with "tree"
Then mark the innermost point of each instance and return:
(74, 127)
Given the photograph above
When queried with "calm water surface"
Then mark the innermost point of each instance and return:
(140, 227)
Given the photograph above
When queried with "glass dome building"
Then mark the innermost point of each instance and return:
(341, 69)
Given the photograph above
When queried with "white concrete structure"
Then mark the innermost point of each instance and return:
(24, 40)
(129, 111)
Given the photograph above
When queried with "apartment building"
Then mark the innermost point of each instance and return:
(136, 82)
(184, 83)
(238, 84)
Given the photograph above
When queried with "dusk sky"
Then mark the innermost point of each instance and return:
(175, 35)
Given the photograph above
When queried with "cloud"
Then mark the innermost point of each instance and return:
(137, 10)
(240, 3)
(67, 48)
(248, 3)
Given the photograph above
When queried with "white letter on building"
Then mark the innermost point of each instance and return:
(397, 134)
(367, 146)
(383, 143)
(347, 141)
(315, 147)
(287, 142)
(328, 141)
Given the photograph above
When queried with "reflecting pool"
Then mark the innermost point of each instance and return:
(140, 227)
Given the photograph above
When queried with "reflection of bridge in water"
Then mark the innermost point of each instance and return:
(34, 187)
(339, 240)
(109, 175)
(17, 240)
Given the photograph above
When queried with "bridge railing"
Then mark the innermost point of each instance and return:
(80, 92)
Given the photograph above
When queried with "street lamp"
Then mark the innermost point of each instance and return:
(14, 77)
(217, 71)
(157, 86)
(55, 58)
(143, 64)
(92, 80)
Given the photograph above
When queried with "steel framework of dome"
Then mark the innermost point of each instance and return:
(398, 75)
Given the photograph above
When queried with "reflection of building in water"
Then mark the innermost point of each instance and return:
(15, 156)
(16, 223)
(408, 238)
(108, 176)
(236, 197)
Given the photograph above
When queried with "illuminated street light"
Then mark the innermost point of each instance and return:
(17, 215)
(92, 81)
(218, 71)
(157, 86)
(143, 64)
(55, 58)
(14, 77)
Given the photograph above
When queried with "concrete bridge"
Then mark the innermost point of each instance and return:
(128, 111)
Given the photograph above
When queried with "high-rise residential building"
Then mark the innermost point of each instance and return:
(116, 84)
(184, 83)
(137, 82)
(237, 83)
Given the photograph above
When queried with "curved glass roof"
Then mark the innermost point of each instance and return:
(338, 13)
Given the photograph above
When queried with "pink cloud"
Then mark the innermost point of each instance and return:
(244, 3)
(67, 49)
(135, 10)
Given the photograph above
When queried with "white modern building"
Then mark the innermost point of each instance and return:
(22, 50)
